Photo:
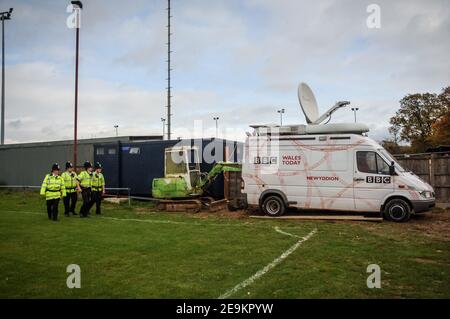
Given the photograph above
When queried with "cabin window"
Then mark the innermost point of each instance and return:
(193, 160)
(100, 151)
(135, 150)
(367, 162)
(382, 166)
(112, 151)
(372, 163)
(175, 163)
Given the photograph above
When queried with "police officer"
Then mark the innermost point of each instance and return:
(98, 187)
(53, 189)
(72, 186)
(85, 179)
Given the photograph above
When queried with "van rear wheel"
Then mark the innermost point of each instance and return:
(397, 210)
(273, 206)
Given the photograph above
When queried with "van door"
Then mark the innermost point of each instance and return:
(371, 180)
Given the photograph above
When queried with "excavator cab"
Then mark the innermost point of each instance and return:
(183, 162)
(183, 181)
(182, 176)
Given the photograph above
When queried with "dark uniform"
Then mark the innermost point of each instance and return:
(71, 184)
(53, 189)
(98, 188)
(85, 178)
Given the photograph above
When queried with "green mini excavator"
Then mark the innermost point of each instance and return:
(182, 177)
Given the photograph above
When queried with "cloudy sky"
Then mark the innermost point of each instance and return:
(239, 60)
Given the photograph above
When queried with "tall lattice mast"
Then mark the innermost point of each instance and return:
(169, 94)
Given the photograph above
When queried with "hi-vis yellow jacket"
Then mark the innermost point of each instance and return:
(70, 181)
(53, 187)
(85, 179)
(98, 182)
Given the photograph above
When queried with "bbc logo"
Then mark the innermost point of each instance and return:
(265, 160)
(378, 179)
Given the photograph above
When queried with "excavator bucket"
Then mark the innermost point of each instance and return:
(212, 205)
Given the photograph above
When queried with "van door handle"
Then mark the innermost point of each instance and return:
(358, 179)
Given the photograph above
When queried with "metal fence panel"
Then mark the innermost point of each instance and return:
(28, 165)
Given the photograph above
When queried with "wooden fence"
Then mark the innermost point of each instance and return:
(433, 168)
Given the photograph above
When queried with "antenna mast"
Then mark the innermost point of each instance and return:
(169, 96)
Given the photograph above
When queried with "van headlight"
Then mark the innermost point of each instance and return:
(426, 194)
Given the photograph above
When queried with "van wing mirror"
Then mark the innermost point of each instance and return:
(392, 168)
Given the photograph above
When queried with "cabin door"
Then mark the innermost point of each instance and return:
(371, 180)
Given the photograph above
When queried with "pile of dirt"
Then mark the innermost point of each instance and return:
(435, 224)
(237, 214)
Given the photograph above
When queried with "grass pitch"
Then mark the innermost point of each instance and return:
(136, 253)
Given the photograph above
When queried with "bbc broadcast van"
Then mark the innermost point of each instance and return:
(328, 167)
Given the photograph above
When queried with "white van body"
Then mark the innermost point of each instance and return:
(348, 172)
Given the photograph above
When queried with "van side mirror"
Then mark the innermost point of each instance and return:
(392, 168)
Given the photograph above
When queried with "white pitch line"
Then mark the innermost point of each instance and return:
(241, 285)
(157, 221)
(277, 229)
(271, 265)
(21, 212)
(119, 219)
(181, 223)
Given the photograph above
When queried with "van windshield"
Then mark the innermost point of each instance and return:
(391, 159)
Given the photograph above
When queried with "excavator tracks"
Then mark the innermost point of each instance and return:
(191, 205)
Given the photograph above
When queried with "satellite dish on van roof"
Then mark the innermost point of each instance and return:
(308, 103)
(310, 108)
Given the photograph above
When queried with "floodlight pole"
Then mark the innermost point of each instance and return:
(3, 16)
(75, 131)
(281, 116)
(169, 88)
(216, 118)
(354, 109)
(78, 5)
(117, 129)
(3, 81)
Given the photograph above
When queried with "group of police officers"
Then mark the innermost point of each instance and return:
(90, 183)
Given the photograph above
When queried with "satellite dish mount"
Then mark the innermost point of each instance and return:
(311, 110)
(309, 106)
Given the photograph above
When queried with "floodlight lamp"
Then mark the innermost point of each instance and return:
(77, 3)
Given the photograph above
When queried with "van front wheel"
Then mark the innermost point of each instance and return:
(397, 210)
(273, 206)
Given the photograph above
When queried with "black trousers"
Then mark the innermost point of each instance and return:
(96, 199)
(70, 201)
(86, 195)
(52, 208)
